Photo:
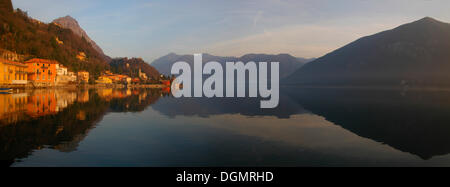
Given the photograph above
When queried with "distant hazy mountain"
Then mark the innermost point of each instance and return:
(68, 22)
(288, 63)
(415, 54)
(305, 60)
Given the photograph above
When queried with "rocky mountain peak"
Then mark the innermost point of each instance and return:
(71, 23)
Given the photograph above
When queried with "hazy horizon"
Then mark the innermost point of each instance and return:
(308, 29)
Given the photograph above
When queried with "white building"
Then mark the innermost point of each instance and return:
(61, 70)
(142, 75)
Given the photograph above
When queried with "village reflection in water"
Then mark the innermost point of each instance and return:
(60, 118)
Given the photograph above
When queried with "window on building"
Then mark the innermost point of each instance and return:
(43, 77)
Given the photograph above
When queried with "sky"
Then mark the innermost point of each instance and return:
(304, 28)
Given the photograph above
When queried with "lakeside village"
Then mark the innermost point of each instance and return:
(42, 73)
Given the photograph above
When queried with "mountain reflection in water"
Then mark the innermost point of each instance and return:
(148, 127)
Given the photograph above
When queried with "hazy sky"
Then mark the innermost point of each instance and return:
(303, 28)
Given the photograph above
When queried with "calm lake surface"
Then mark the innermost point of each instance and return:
(148, 127)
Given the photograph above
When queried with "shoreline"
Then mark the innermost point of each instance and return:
(84, 86)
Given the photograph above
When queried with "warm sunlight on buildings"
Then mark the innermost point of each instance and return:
(104, 80)
(81, 56)
(83, 76)
(41, 71)
(12, 72)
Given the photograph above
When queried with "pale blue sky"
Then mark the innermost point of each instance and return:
(303, 28)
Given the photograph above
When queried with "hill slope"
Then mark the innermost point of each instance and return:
(68, 22)
(412, 54)
(6, 5)
(119, 65)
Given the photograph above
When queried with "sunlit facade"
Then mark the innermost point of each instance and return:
(41, 70)
(104, 80)
(83, 76)
(13, 72)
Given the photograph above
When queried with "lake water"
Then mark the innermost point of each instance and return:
(148, 127)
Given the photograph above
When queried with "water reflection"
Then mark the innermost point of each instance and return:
(409, 120)
(59, 118)
(206, 107)
(413, 121)
(311, 127)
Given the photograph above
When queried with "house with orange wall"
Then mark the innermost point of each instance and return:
(41, 70)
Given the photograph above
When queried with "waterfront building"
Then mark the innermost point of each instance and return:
(13, 72)
(136, 81)
(142, 75)
(62, 76)
(104, 80)
(83, 76)
(72, 76)
(61, 70)
(41, 71)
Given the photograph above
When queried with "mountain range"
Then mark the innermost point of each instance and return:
(288, 63)
(414, 54)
